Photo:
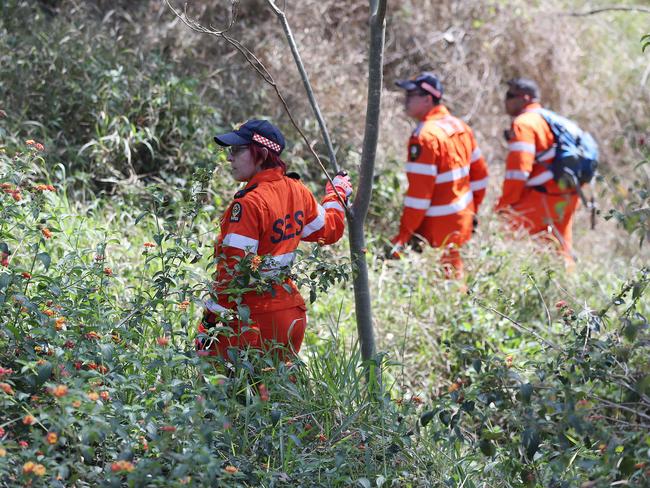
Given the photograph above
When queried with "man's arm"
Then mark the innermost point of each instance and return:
(478, 174)
(421, 171)
(519, 164)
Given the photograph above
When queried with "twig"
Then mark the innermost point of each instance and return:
(305, 80)
(621, 406)
(517, 324)
(631, 8)
(548, 314)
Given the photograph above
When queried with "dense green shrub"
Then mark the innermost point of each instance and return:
(105, 106)
(573, 405)
(100, 384)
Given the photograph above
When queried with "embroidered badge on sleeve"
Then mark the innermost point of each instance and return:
(236, 212)
(414, 152)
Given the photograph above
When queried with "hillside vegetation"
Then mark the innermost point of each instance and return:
(111, 193)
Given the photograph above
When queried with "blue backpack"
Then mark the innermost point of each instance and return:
(576, 152)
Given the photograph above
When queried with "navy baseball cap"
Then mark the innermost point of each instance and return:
(261, 132)
(426, 81)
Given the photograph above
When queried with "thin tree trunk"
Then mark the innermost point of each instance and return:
(359, 212)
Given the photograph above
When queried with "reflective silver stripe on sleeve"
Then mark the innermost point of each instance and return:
(476, 155)
(479, 184)
(540, 179)
(241, 242)
(214, 307)
(522, 146)
(517, 175)
(452, 175)
(316, 224)
(335, 205)
(452, 208)
(547, 155)
(418, 203)
(422, 169)
(273, 265)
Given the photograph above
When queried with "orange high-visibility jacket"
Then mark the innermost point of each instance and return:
(531, 151)
(447, 177)
(269, 218)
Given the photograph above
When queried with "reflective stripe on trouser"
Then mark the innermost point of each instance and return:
(283, 327)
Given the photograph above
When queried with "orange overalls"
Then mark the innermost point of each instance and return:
(261, 230)
(535, 200)
(447, 178)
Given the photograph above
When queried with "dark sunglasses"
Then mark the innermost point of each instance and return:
(234, 150)
(510, 95)
(417, 93)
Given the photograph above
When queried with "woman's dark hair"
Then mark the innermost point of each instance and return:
(272, 160)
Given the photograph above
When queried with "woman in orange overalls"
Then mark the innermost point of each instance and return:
(260, 232)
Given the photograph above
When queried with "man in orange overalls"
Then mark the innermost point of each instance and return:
(531, 198)
(253, 298)
(447, 176)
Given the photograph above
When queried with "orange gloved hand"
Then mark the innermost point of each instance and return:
(342, 185)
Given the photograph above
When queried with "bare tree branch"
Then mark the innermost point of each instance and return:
(257, 65)
(305, 80)
(631, 8)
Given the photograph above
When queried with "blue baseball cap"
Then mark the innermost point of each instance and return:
(426, 81)
(260, 132)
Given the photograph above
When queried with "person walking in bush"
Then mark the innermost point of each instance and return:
(531, 198)
(254, 302)
(447, 176)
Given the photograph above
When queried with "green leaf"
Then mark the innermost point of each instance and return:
(525, 392)
(365, 482)
(487, 447)
(530, 441)
(476, 364)
(140, 217)
(426, 417)
(5, 279)
(44, 258)
(275, 417)
(43, 373)
(244, 313)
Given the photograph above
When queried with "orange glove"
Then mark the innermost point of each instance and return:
(342, 185)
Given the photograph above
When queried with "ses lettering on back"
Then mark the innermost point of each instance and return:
(288, 227)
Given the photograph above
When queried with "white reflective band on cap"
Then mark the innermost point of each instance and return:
(522, 146)
(453, 175)
(215, 307)
(241, 242)
(452, 208)
(476, 155)
(517, 175)
(335, 205)
(418, 203)
(547, 155)
(316, 224)
(427, 87)
(267, 142)
(540, 179)
(479, 184)
(422, 169)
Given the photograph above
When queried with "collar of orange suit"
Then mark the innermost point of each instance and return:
(437, 112)
(531, 106)
(265, 175)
